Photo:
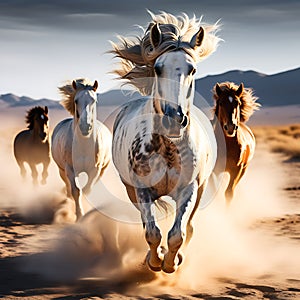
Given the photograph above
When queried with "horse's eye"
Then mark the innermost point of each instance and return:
(42, 117)
(158, 69)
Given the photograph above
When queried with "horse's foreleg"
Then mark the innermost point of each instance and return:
(34, 173)
(93, 177)
(153, 235)
(76, 192)
(186, 201)
(45, 171)
(22, 169)
(235, 176)
(65, 179)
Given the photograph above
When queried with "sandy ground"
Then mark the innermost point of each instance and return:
(250, 251)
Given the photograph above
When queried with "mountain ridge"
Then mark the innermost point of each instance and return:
(272, 90)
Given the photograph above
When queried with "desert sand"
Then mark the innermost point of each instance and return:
(249, 251)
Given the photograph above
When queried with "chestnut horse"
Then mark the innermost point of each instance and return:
(32, 145)
(233, 107)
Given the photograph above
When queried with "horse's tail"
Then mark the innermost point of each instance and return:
(163, 205)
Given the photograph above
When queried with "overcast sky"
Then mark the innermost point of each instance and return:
(44, 43)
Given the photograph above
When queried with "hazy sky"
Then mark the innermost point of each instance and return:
(44, 43)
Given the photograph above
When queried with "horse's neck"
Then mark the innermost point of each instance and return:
(34, 133)
(83, 141)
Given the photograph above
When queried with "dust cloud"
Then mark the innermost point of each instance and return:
(105, 246)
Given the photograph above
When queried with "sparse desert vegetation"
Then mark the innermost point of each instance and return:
(281, 139)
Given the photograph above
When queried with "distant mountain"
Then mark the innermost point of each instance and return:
(12, 100)
(273, 90)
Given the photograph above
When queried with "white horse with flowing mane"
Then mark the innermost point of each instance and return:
(160, 148)
(81, 144)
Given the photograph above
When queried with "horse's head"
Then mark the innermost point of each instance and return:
(85, 107)
(38, 121)
(228, 108)
(174, 73)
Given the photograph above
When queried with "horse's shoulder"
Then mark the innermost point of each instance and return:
(22, 134)
(63, 123)
(128, 109)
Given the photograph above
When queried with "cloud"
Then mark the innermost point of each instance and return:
(116, 14)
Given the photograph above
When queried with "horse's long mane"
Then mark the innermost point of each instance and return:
(29, 119)
(68, 93)
(248, 100)
(137, 55)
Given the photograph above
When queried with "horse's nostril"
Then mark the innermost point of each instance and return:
(225, 127)
(236, 127)
(184, 121)
(166, 122)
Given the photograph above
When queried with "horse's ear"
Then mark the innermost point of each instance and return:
(95, 86)
(240, 90)
(218, 90)
(74, 85)
(197, 39)
(46, 110)
(155, 35)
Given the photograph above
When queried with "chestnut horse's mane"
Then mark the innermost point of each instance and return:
(29, 119)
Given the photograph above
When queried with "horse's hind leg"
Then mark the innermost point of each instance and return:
(185, 203)
(153, 235)
(189, 226)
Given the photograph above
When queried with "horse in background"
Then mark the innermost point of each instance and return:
(81, 144)
(31, 146)
(234, 105)
(160, 148)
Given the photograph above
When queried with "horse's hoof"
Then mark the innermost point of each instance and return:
(172, 268)
(152, 268)
(168, 269)
(180, 259)
(43, 182)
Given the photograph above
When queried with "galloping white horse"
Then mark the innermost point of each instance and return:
(159, 147)
(81, 144)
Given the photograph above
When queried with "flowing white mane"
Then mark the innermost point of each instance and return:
(138, 56)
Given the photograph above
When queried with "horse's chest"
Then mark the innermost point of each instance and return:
(233, 149)
(39, 151)
(162, 168)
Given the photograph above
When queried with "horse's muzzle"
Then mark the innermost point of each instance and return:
(85, 130)
(230, 129)
(174, 120)
(43, 135)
